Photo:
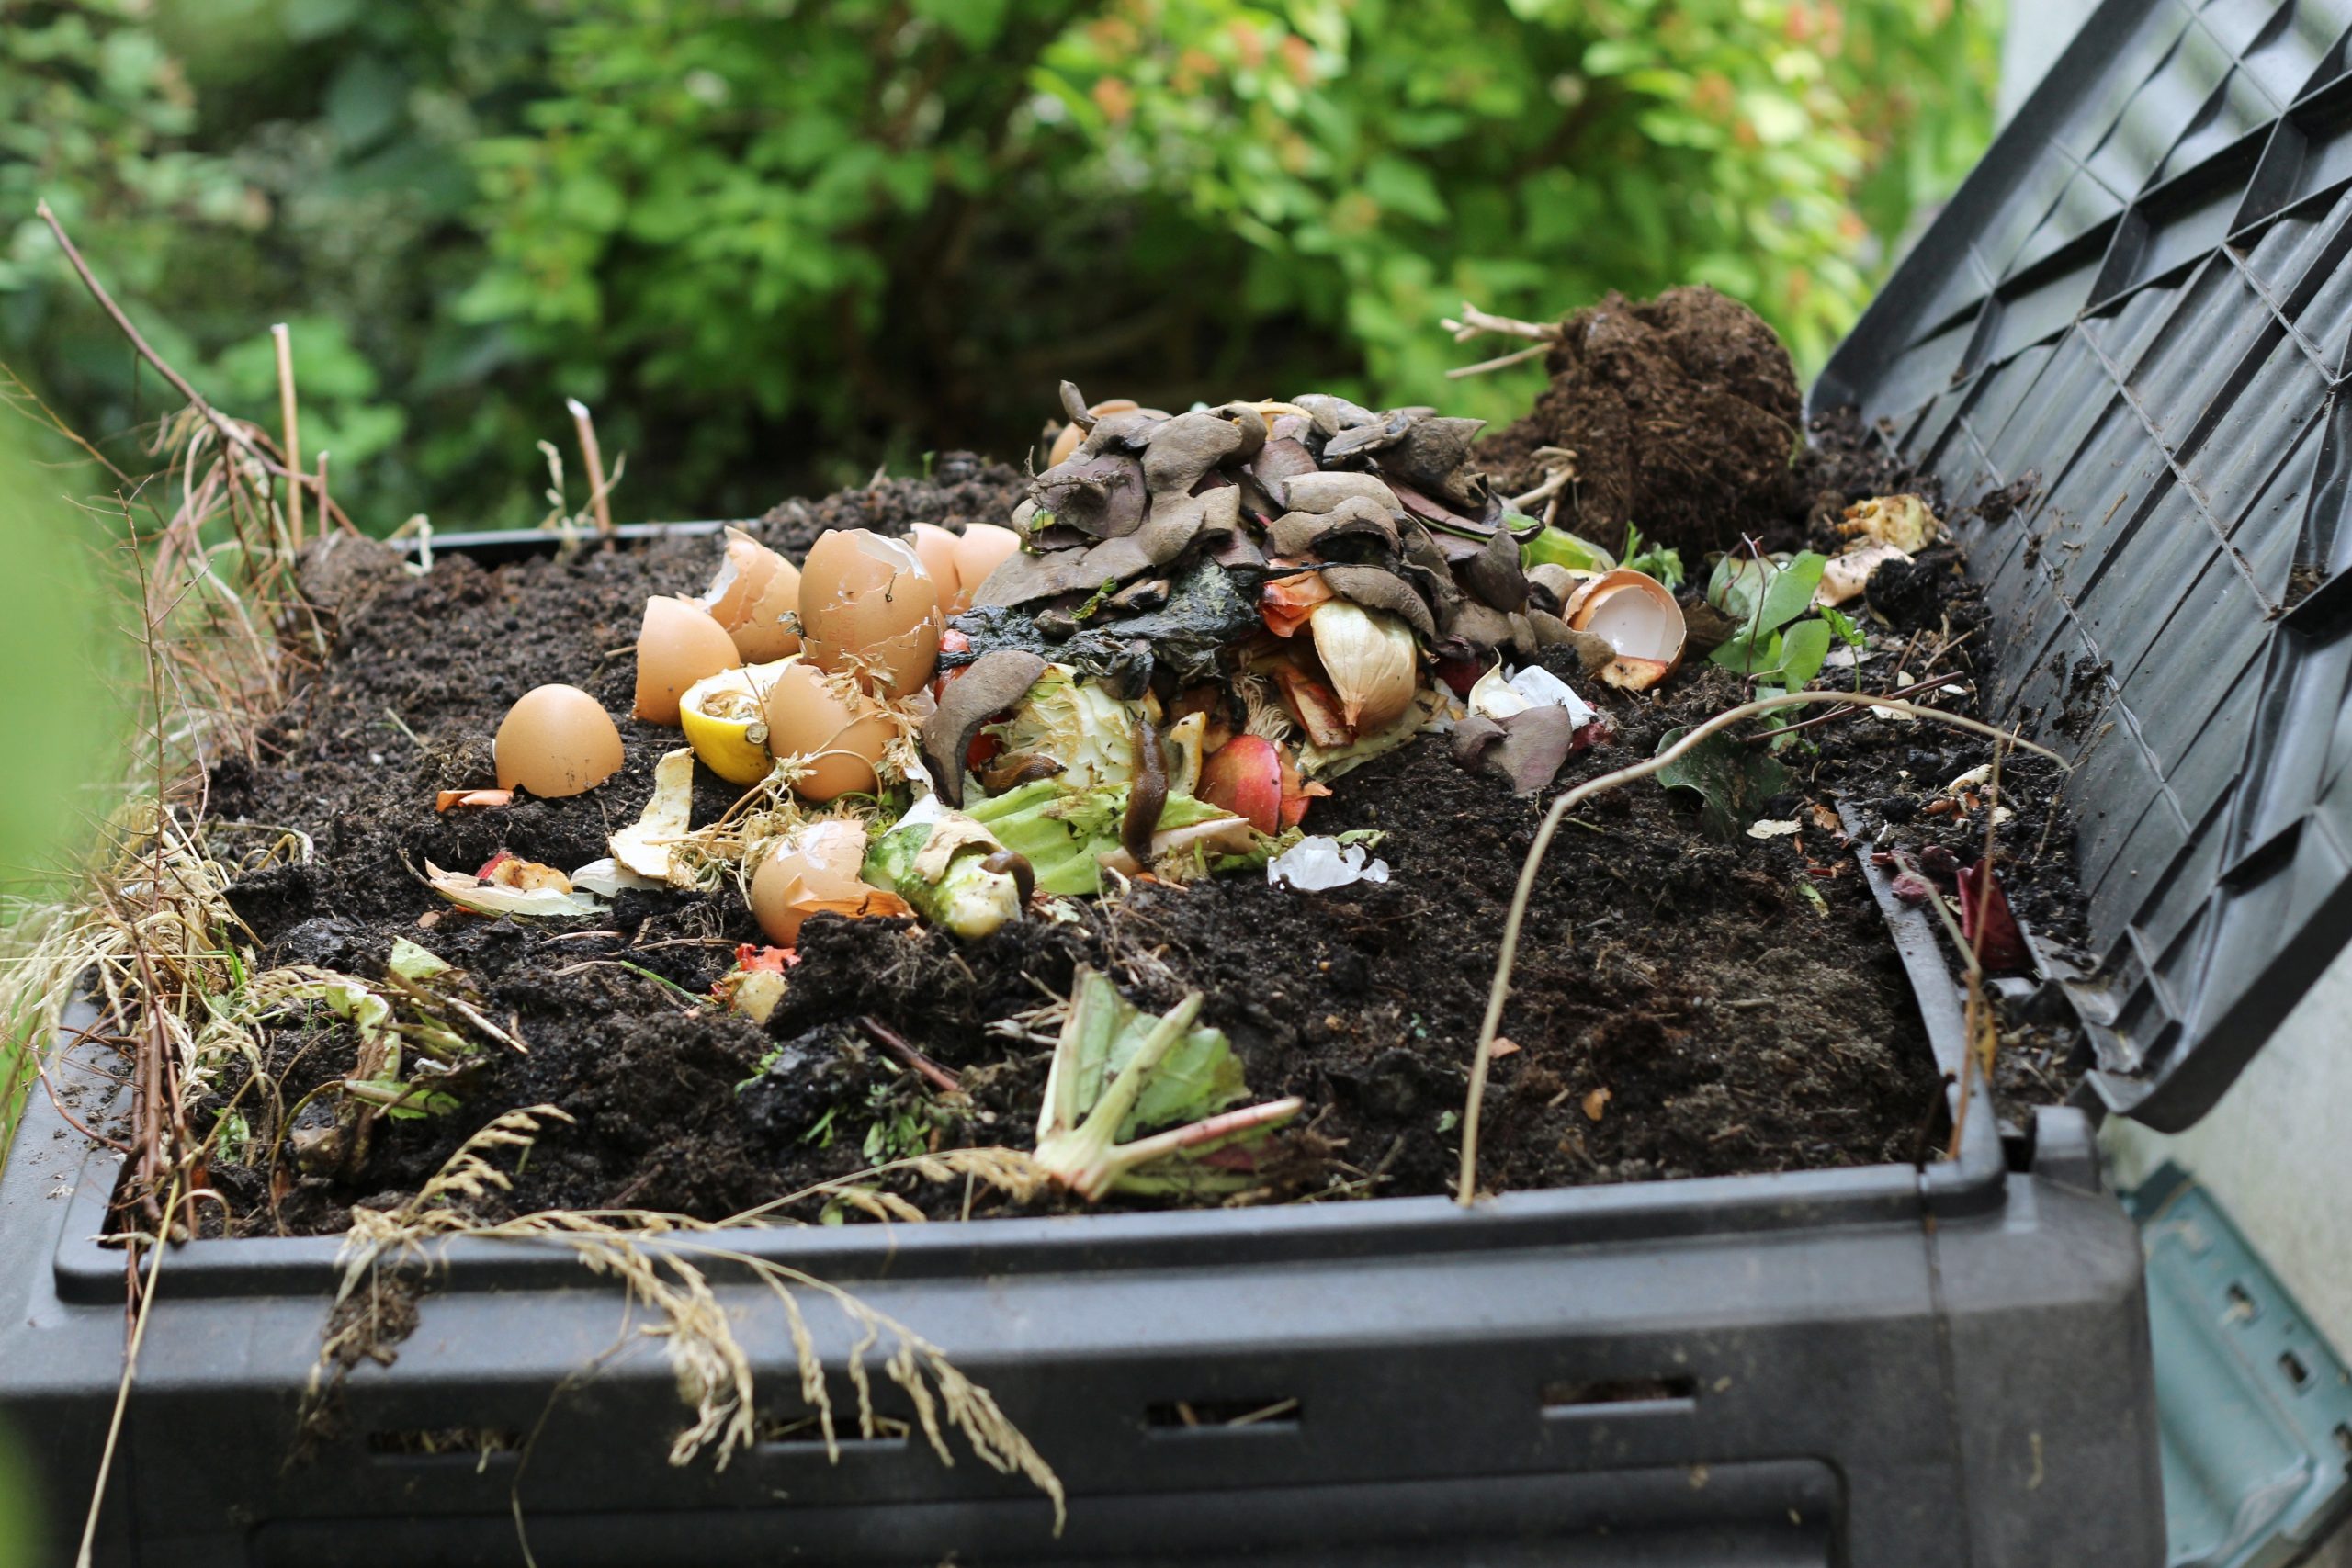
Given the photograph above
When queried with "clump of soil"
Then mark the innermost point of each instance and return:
(1682, 1006)
(1683, 413)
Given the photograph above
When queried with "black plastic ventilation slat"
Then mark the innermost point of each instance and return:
(2174, 602)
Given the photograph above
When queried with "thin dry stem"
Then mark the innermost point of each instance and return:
(592, 457)
(661, 1263)
(1474, 321)
(289, 421)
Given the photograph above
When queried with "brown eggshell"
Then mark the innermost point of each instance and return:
(983, 548)
(1635, 615)
(555, 741)
(935, 547)
(869, 607)
(756, 597)
(839, 741)
(744, 573)
(818, 865)
(677, 644)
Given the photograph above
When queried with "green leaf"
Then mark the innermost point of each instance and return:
(1789, 593)
(1731, 778)
(1803, 648)
(1842, 626)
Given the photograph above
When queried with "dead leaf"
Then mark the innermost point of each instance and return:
(1503, 1046)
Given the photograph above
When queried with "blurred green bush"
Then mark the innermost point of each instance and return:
(776, 243)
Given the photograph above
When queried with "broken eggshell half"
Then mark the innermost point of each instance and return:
(556, 740)
(678, 643)
(817, 868)
(869, 607)
(1635, 615)
(756, 598)
(980, 550)
(831, 740)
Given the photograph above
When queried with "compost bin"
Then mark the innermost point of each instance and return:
(2121, 342)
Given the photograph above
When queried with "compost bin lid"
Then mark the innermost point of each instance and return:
(2140, 303)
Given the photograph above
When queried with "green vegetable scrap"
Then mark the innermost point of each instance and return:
(1064, 836)
(1117, 1071)
(952, 869)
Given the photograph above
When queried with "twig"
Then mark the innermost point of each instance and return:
(1567, 801)
(230, 430)
(1855, 704)
(1474, 320)
(593, 457)
(891, 1040)
(1500, 362)
(323, 502)
(289, 421)
(82, 1559)
(1560, 476)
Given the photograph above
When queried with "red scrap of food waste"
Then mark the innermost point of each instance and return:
(1988, 924)
(493, 863)
(1244, 776)
(1461, 674)
(1598, 732)
(1256, 780)
(751, 956)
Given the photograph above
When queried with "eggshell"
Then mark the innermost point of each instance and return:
(983, 548)
(839, 741)
(869, 607)
(818, 866)
(1634, 614)
(677, 644)
(555, 741)
(756, 597)
(935, 547)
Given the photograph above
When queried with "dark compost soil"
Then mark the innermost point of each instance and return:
(1682, 1006)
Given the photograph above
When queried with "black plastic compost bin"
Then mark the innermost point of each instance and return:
(2136, 303)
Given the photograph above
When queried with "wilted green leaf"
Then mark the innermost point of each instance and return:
(1731, 778)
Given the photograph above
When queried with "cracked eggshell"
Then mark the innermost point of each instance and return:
(756, 597)
(817, 868)
(869, 607)
(556, 741)
(1635, 615)
(678, 644)
(837, 739)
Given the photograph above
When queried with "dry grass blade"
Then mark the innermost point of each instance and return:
(1499, 993)
(662, 1263)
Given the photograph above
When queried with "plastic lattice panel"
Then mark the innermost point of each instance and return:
(2141, 300)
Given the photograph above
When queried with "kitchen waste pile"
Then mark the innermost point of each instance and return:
(1191, 624)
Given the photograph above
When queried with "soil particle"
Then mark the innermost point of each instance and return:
(1683, 413)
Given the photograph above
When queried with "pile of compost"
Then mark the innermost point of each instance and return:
(1704, 986)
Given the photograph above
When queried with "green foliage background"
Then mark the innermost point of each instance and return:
(778, 241)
